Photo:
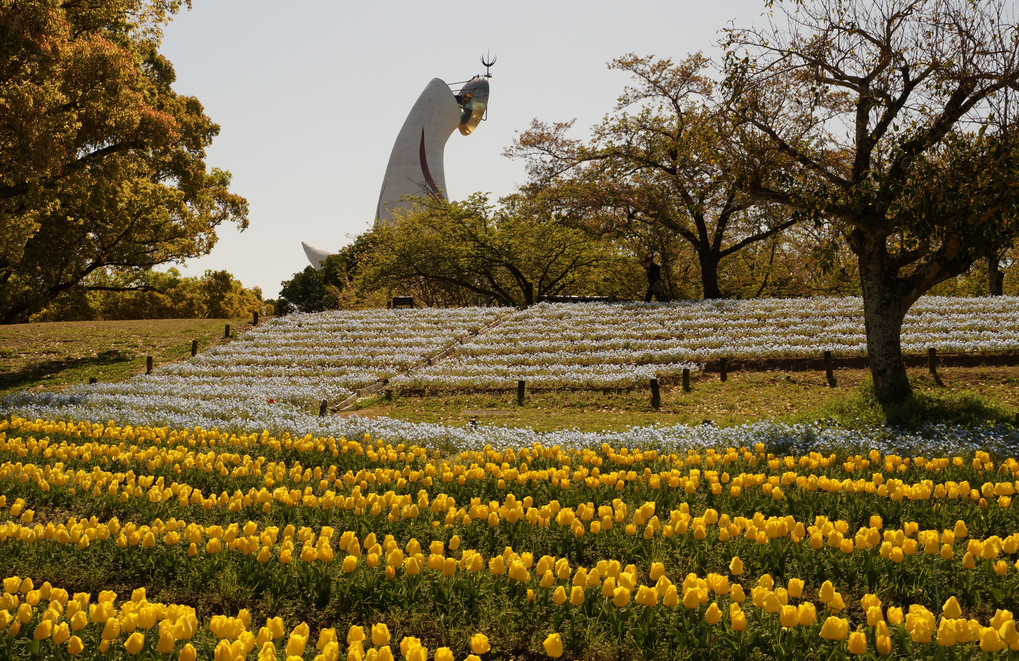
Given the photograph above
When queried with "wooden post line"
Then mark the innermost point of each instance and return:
(148, 364)
(521, 385)
(829, 369)
(932, 366)
(723, 368)
(686, 379)
(656, 395)
(194, 348)
(226, 333)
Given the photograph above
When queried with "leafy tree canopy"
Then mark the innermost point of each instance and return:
(898, 118)
(102, 164)
(511, 253)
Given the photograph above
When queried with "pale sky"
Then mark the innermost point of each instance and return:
(310, 95)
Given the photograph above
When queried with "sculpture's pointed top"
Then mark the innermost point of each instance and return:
(487, 60)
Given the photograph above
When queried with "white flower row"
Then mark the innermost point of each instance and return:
(297, 361)
(780, 438)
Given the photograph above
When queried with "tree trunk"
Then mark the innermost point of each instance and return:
(995, 278)
(884, 308)
(709, 273)
(528, 291)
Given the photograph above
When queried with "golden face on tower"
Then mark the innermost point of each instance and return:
(473, 102)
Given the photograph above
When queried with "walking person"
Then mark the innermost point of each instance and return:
(655, 284)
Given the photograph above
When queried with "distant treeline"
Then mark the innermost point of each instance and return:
(157, 295)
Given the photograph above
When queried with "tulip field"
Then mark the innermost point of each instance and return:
(205, 512)
(156, 543)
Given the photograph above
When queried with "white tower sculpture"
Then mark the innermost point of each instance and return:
(416, 162)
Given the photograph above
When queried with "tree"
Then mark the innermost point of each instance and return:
(102, 164)
(884, 107)
(668, 155)
(334, 284)
(155, 295)
(511, 253)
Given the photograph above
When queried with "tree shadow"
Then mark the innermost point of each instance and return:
(45, 369)
(920, 409)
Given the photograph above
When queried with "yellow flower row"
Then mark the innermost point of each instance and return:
(134, 619)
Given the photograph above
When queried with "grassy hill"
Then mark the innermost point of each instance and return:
(52, 356)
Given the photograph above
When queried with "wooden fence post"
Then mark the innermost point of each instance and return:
(656, 395)
(321, 407)
(254, 319)
(932, 366)
(148, 364)
(226, 333)
(829, 369)
(686, 379)
(92, 380)
(387, 394)
(723, 368)
(521, 385)
(194, 348)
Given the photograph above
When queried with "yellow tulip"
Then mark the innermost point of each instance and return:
(738, 620)
(795, 588)
(835, 628)
(736, 566)
(826, 593)
(806, 614)
(443, 654)
(111, 629)
(951, 609)
(275, 626)
(325, 637)
(380, 634)
(553, 644)
(883, 644)
(577, 595)
(620, 597)
(518, 572)
(858, 643)
(296, 644)
(787, 616)
(75, 646)
(349, 564)
(947, 634)
(479, 643)
(166, 642)
(134, 643)
(990, 641)
(355, 634)
(43, 630)
(559, 596)
(713, 614)
(188, 653)
(61, 633)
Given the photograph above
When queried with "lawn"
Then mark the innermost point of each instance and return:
(53, 356)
